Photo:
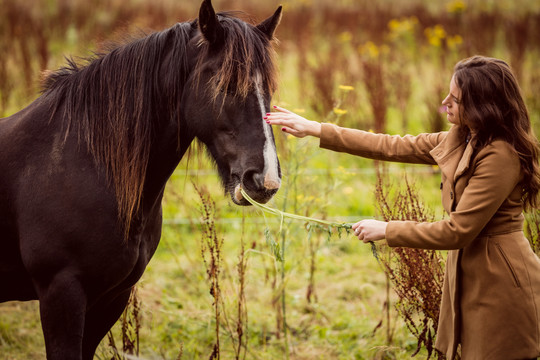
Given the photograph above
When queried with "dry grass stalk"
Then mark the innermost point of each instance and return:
(417, 275)
(241, 310)
(130, 322)
(180, 352)
(311, 295)
(532, 230)
(211, 247)
(402, 93)
(322, 75)
(237, 328)
(375, 80)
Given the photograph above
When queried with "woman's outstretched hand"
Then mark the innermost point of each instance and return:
(370, 230)
(292, 123)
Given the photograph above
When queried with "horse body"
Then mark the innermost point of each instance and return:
(62, 242)
(78, 225)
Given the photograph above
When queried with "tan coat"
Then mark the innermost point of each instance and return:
(491, 292)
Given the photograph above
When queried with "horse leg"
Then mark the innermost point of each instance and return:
(62, 309)
(99, 320)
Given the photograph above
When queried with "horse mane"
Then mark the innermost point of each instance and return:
(112, 100)
(245, 52)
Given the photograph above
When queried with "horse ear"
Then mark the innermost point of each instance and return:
(209, 24)
(268, 26)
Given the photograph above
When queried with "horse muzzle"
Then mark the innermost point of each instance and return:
(260, 188)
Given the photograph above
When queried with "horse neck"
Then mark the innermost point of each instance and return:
(165, 154)
(171, 141)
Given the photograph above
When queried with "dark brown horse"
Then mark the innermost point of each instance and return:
(83, 168)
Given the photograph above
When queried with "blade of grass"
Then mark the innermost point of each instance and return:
(282, 214)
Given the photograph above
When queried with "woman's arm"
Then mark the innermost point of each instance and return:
(496, 174)
(495, 177)
(410, 149)
(404, 149)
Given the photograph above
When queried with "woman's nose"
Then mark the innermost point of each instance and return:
(445, 102)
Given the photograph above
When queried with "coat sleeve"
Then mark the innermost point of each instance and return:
(496, 173)
(407, 149)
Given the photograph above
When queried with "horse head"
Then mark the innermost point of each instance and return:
(229, 93)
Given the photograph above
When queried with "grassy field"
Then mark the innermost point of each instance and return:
(339, 322)
(297, 292)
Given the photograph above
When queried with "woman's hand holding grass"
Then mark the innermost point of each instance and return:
(370, 230)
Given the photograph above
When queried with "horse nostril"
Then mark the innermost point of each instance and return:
(253, 180)
(258, 180)
(262, 185)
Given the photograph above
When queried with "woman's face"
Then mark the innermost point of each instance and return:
(452, 103)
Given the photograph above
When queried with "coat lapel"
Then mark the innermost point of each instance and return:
(451, 154)
(464, 162)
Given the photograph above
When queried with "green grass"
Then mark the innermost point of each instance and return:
(177, 306)
(349, 290)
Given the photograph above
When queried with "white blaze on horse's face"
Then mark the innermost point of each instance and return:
(271, 171)
(271, 178)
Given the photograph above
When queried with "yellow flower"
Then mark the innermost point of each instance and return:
(435, 35)
(454, 41)
(402, 26)
(345, 37)
(434, 41)
(456, 6)
(438, 30)
(346, 88)
(339, 111)
(369, 49)
(394, 25)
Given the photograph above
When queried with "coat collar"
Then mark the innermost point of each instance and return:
(453, 154)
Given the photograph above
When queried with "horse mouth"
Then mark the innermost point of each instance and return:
(260, 196)
(237, 196)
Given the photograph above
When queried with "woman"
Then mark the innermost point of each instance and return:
(489, 164)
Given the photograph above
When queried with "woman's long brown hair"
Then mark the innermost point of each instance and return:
(492, 106)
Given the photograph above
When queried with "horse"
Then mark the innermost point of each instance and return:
(84, 166)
